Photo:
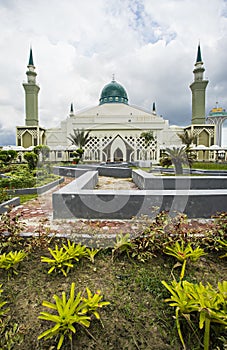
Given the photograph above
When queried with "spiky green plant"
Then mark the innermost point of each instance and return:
(68, 313)
(60, 261)
(182, 253)
(10, 261)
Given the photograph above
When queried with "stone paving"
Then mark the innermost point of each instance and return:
(37, 215)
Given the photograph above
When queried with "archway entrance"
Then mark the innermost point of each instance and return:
(118, 155)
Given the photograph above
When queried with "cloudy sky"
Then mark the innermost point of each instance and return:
(150, 46)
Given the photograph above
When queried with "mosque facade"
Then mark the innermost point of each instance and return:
(116, 127)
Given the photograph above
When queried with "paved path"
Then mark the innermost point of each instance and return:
(37, 215)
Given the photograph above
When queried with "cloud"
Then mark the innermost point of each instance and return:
(77, 45)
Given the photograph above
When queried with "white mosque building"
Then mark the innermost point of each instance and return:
(115, 125)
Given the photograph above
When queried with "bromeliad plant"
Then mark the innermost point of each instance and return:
(208, 302)
(93, 302)
(64, 258)
(70, 312)
(183, 253)
(11, 260)
(60, 261)
(122, 244)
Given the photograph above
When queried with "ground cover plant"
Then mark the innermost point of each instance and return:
(137, 283)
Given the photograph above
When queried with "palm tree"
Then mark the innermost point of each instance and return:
(178, 157)
(187, 138)
(80, 138)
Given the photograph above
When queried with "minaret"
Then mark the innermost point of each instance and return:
(31, 94)
(198, 88)
(153, 108)
(71, 114)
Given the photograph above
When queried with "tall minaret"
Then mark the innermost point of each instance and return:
(198, 88)
(31, 95)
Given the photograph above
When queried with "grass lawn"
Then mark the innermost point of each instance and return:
(138, 316)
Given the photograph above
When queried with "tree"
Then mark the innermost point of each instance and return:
(187, 138)
(80, 138)
(7, 156)
(32, 159)
(43, 151)
(177, 156)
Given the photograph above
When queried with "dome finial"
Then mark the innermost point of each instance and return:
(113, 77)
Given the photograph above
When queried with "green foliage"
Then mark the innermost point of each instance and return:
(11, 260)
(3, 310)
(69, 312)
(122, 244)
(10, 223)
(3, 195)
(80, 138)
(19, 178)
(182, 253)
(91, 254)
(10, 335)
(208, 302)
(73, 311)
(224, 245)
(64, 258)
(7, 157)
(93, 302)
(32, 159)
(61, 261)
(42, 150)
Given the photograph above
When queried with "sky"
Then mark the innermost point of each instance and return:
(150, 46)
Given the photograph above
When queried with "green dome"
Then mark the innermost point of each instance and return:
(113, 93)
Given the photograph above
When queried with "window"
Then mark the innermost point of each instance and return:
(59, 154)
(35, 141)
(19, 141)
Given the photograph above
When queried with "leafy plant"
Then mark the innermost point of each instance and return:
(122, 244)
(209, 303)
(61, 260)
(91, 253)
(75, 252)
(11, 260)
(182, 253)
(69, 312)
(93, 302)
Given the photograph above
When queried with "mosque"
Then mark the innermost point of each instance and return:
(115, 126)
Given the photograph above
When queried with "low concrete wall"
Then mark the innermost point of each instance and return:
(36, 190)
(111, 171)
(11, 202)
(148, 181)
(79, 200)
(68, 171)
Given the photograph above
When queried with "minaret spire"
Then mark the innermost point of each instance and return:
(71, 113)
(153, 108)
(30, 62)
(198, 88)
(31, 94)
(199, 56)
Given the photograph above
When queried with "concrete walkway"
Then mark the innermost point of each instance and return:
(37, 215)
